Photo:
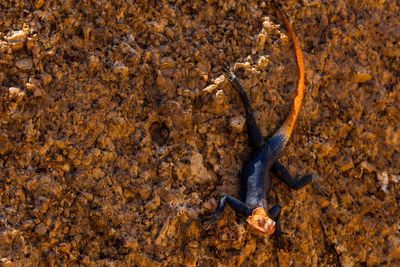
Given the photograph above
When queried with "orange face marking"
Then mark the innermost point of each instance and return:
(260, 222)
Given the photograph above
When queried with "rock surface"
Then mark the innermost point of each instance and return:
(118, 132)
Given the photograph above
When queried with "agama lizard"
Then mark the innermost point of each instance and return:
(255, 175)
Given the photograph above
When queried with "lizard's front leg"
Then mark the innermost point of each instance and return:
(234, 203)
(274, 214)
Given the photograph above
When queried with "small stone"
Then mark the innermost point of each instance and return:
(158, 26)
(65, 247)
(131, 243)
(41, 229)
(347, 166)
(334, 201)
(284, 39)
(268, 25)
(24, 63)
(262, 62)
(245, 65)
(144, 192)
(16, 40)
(100, 21)
(324, 203)
(14, 91)
(383, 179)
(367, 166)
(46, 78)
(66, 167)
(39, 4)
(30, 43)
(166, 63)
(362, 77)
(261, 38)
(237, 123)
(153, 204)
(42, 204)
(133, 170)
(344, 130)
(94, 63)
(16, 94)
(28, 224)
(211, 88)
(38, 92)
(220, 97)
(86, 260)
(120, 68)
(30, 86)
(220, 79)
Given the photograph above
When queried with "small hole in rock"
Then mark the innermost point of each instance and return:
(159, 133)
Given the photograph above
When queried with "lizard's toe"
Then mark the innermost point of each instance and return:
(210, 221)
(228, 73)
(317, 185)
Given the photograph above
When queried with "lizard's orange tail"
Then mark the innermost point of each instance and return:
(286, 129)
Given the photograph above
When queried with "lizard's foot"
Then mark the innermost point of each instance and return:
(319, 187)
(210, 221)
(305, 180)
(228, 73)
(280, 242)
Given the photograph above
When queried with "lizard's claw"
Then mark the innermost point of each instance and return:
(318, 186)
(228, 73)
(210, 221)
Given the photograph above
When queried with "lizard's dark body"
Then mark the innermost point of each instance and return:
(256, 173)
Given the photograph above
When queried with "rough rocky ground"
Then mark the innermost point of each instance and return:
(118, 132)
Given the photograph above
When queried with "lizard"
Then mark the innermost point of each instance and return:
(256, 173)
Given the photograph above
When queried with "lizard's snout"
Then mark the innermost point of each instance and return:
(260, 221)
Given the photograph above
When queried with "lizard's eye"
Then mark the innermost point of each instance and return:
(261, 221)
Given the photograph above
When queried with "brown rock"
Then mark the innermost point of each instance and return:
(41, 229)
(362, 77)
(16, 40)
(46, 78)
(24, 63)
(39, 4)
(237, 123)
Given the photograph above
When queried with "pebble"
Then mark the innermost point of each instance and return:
(263, 62)
(347, 166)
(30, 43)
(153, 204)
(24, 63)
(131, 243)
(16, 40)
(39, 4)
(14, 91)
(362, 77)
(41, 229)
(237, 123)
(46, 78)
(211, 88)
(144, 191)
(120, 68)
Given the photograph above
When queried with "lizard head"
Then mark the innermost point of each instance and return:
(260, 221)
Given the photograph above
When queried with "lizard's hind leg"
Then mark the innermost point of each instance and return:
(255, 138)
(283, 174)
